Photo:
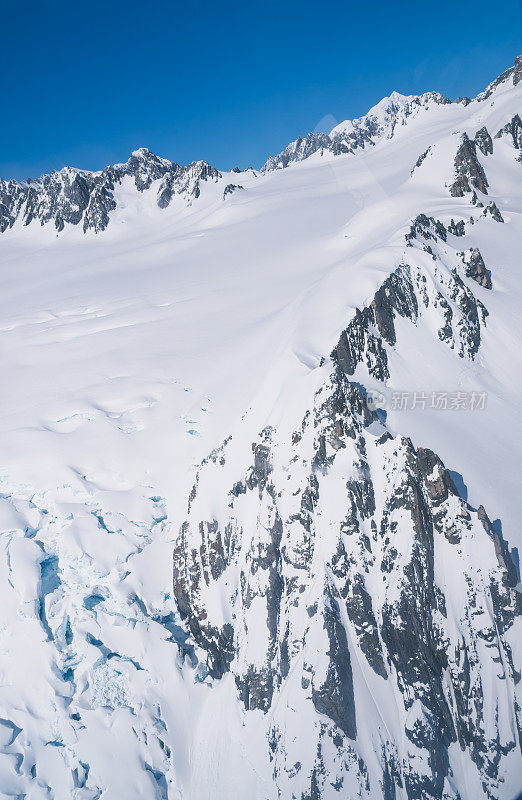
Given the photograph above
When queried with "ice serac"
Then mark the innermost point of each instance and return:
(79, 197)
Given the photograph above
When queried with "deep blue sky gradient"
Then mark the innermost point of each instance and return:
(85, 83)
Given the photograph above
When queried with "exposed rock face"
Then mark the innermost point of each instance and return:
(384, 119)
(230, 188)
(512, 75)
(421, 159)
(303, 148)
(75, 196)
(476, 269)
(353, 135)
(512, 128)
(407, 293)
(492, 210)
(517, 71)
(350, 623)
(427, 228)
(361, 342)
(469, 172)
(457, 228)
(504, 558)
(483, 141)
(350, 559)
(326, 572)
(334, 697)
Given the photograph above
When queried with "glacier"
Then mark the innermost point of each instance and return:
(225, 570)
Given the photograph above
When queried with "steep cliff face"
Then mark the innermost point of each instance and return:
(345, 615)
(364, 606)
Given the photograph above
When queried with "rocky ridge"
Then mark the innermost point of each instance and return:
(352, 135)
(348, 552)
(350, 557)
(73, 196)
(382, 121)
(351, 621)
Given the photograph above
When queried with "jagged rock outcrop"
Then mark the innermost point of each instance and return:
(469, 172)
(380, 122)
(360, 342)
(484, 141)
(476, 269)
(230, 188)
(427, 228)
(492, 210)
(345, 620)
(327, 572)
(73, 196)
(351, 558)
(421, 159)
(504, 558)
(512, 75)
(353, 135)
(457, 228)
(405, 294)
(512, 128)
(303, 148)
(408, 293)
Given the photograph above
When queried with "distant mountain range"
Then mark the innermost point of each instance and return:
(345, 617)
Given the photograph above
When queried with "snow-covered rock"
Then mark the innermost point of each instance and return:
(237, 560)
(75, 196)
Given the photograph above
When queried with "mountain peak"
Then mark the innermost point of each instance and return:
(512, 76)
(339, 607)
(143, 152)
(73, 196)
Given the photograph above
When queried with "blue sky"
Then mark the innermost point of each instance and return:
(86, 83)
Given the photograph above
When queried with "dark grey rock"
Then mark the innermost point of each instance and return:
(476, 269)
(512, 74)
(421, 158)
(493, 211)
(512, 128)
(502, 553)
(74, 196)
(483, 141)
(334, 697)
(457, 228)
(304, 148)
(230, 188)
(469, 171)
(426, 228)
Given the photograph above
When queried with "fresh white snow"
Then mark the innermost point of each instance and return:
(128, 355)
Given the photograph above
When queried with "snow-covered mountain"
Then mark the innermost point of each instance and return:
(76, 196)
(260, 468)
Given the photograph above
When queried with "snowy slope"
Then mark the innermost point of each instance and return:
(133, 348)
